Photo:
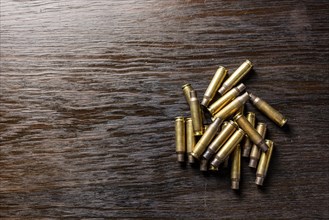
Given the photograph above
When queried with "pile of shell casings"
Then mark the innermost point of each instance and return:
(231, 133)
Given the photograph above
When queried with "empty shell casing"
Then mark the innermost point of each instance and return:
(228, 147)
(246, 147)
(264, 163)
(220, 139)
(255, 151)
(204, 165)
(196, 114)
(187, 88)
(232, 107)
(190, 139)
(235, 77)
(180, 138)
(268, 110)
(241, 110)
(254, 136)
(229, 96)
(214, 85)
(236, 167)
(206, 138)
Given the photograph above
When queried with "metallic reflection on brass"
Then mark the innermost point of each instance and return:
(268, 110)
(196, 114)
(255, 150)
(228, 147)
(180, 138)
(235, 77)
(222, 101)
(214, 84)
(264, 163)
(254, 136)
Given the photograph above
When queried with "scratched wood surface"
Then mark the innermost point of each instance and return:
(89, 91)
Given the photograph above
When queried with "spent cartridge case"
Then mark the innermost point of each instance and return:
(255, 151)
(205, 139)
(196, 114)
(180, 138)
(268, 110)
(190, 139)
(214, 85)
(228, 147)
(264, 163)
(187, 88)
(246, 146)
(235, 77)
(232, 107)
(229, 96)
(241, 110)
(236, 167)
(254, 136)
(204, 165)
(220, 139)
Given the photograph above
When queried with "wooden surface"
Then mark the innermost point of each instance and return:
(90, 89)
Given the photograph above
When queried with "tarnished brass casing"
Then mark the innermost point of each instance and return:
(187, 88)
(190, 139)
(241, 110)
(229, 96)
(214, 85)
(203, 165)
(264, 163)
(268, 110)
(221, 138)
(196, 114)
(255, 151)
(254, 136)
(246, 146)
(206, 138)
(232, 107)
(180, 138)
(228, 147)
(235, 77)
(236, 168)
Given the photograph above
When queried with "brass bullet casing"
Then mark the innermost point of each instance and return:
(246, 147)
(190, 139)
(254, 136)
(232, 107)
(264, 163)
(187, 88)
(268, 110)
(241, 110)
(180, 138)
(206, 138)
(235, 77)
(204, 165)
(221, 138)
(214, 85)
(228, 147)
(236, 168)
(255, 151)
(196, 114)
(229, 96)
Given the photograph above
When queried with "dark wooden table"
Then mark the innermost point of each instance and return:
(90, 89)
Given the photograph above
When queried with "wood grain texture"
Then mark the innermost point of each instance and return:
(89, 91)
